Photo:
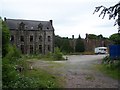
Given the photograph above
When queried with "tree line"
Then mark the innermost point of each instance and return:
(63, 43)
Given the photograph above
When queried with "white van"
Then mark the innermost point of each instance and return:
(101, 50)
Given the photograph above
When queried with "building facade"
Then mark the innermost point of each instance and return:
(91, 44)
(30, 36)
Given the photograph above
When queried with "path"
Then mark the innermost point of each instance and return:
(78, 71)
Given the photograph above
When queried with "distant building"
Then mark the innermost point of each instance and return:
(90, 44)
(30, 36)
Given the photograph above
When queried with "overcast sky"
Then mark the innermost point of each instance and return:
(70, 17)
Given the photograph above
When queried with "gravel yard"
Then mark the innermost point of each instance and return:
(78, 71)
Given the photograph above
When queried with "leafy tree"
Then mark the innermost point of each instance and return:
(79, 45)
(100, 36)
(63, 44)
(92, 36)
(58, 41)
(113, 11)
(5, 39)
(115, 38)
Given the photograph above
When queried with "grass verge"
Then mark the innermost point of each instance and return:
(41, 78)
(114, 73)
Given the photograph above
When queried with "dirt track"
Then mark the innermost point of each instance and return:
(78, 71)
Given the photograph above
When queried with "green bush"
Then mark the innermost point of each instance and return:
(57, 54)
(111, 64)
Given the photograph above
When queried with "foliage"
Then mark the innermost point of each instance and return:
(66, 46)
(115, 38)
(79, 45)
(5, 39)
(114, 73)
(113, 11)
(0, 36)
(111, 63)
(110, 67)
(93, 36)
(57, 54)
(63, 43)
(12, 77)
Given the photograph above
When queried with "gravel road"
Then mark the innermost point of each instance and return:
(78, 71)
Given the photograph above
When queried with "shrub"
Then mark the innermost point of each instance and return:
(57, 54)
(106, 60)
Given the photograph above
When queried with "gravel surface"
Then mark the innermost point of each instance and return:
(78, 71)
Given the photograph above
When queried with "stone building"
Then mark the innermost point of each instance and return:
(30, 36)
(90, 44)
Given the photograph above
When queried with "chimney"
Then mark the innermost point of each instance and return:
(72, 36)
(4, 18)
(51, 21)
(86, 36)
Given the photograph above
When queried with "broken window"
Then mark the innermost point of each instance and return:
(47, 27)
(22, 48)
(22, 38)
(12, 38)
(31, 49)
(49, 49)
(31, 38)
(40, 48)
(40, 38)
(49, 39)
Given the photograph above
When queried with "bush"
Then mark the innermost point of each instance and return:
(106, 60)
(111, 64)
(57, 54)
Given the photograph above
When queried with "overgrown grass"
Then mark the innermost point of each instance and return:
(114, 73)
(13, 78)
(56, 56)
(42, 79)
(110, 67)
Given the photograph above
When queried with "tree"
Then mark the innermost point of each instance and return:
(5, 39)
(92, 36)
(79, 45)
(63, 43)
(115, 38)
(113, 11)
(65, 46)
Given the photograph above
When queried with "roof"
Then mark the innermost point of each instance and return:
(29, 24)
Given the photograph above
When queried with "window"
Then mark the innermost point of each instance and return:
(40, 48)
(49, 49)
(12, 38)
(40, 26)
(47, 27)
(22, 38)
(31, 49)
(31, 38)
(22, 48)
(40, 38)
(49, 39)
(22, 26)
